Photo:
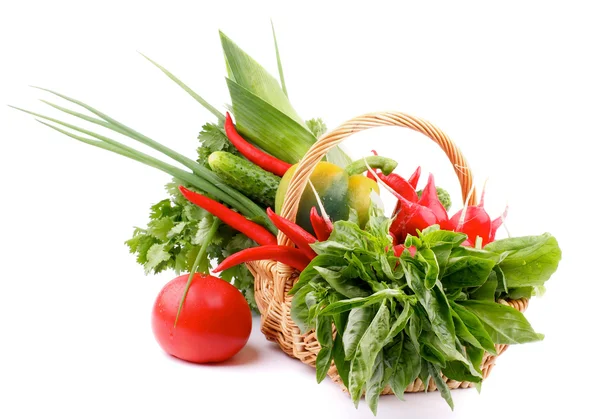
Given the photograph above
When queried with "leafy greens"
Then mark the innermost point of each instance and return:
(386, 320)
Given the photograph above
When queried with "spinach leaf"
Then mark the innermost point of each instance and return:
(375, 383)
(531, 261)
(466, 271)
(488, 290)
(369, 346)
(406, 370)
(359, 320)
(522, 292)
(441, 385)
(504, 324)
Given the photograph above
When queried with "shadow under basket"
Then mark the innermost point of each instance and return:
(273, 280)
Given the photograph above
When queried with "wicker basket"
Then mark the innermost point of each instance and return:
(273, 280)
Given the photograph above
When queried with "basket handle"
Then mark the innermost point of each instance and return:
(372, 120)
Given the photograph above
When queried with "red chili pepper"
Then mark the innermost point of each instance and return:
(429, 199)
(237, 221)
(322, 227)
(256, 156)
(288, 255)
(295, 233)
(476, 223)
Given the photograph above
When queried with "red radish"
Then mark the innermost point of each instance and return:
(411, 217)
(476, 222)
(214, 324)
(400, 186)
(414, 178)
(401, 248)
(429, 199)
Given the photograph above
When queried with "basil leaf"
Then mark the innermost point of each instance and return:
(475, 327)
(325, 355)
(376, 383)
(441, 385)
(407, 369)
(504, 324)
(439, 237)
(391, 356)
(400, 323)
(431, 349)
(462, 331)
(434, 302)
(442, 254)
(502, 284)
(299, 309)
(309, 273)
(532, 259)
(342, 281)
(456, 370)
(432, 271)
(424, 375)
(359, 320)
(339, 358)
(323, 363)
(345, 305)
(347, 236)
(438, 352)
(415, 328)
(369, 346)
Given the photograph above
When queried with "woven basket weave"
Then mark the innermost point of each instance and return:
(273, 280)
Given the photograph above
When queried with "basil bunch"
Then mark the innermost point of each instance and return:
(424, 313)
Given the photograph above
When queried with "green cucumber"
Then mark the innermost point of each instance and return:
(243, 175)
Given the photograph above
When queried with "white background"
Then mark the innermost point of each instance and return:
(515, 85)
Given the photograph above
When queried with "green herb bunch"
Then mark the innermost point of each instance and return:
(177, 229)
(386, 320)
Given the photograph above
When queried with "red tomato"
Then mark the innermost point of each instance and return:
(214, 324)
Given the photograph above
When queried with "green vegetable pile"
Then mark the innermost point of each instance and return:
(398, 318)
(177, 230)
